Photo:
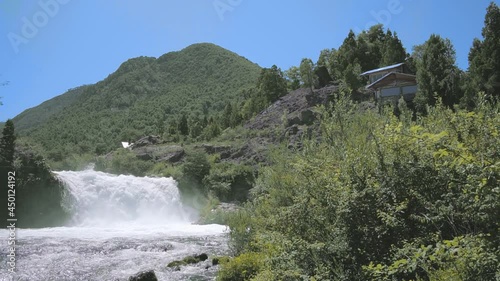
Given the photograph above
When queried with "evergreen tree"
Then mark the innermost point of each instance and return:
(347, 53)
(235, 118)
(226, 116)
(437, 74)
(195, 126)
(375, 38)
(272, 83)
(183, 125)
(7, 144)
(484, 56)
(393, 51)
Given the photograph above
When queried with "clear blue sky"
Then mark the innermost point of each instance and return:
(68, 43)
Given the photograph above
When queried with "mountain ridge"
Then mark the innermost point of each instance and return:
(141, 97)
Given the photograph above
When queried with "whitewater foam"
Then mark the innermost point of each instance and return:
(101, 199)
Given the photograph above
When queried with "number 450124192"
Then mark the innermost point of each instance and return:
(11, 193)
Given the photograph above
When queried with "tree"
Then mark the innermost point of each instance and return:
(376, 38)
(484, 56)
(226, 116)
(272, 83)
(292, 75)
(196, 166)
(195, 126)
(393, 51)
(437, 74)
(307, 72)
(7, 144)
(183, 125)
(347, 53)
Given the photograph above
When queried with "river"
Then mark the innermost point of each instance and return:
(120, 225)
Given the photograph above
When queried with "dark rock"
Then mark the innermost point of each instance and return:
(293, 130)
(219, 260)
(173, 157)
(293, 103)
(323, 75)
(307, 117)
(144, 156)
(149, 140)
(144, 276)
(160, 153)
(294, 121)
(212, 149)
(201, 257)
(188, 260)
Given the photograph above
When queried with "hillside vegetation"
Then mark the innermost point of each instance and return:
(142, 97)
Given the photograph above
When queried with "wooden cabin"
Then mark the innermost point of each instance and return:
(392, 82)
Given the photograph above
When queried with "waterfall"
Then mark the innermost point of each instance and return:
(101, 199)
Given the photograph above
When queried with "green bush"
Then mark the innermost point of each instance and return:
(241, 268)
(463, 258)
(374, 186)
(166, 170)
(230, 182)
(196, 166)
(124, 161)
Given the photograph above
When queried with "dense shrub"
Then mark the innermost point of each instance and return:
(230, 182)
(374, 191)
(242, 267)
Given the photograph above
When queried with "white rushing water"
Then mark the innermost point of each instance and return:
(120, 225)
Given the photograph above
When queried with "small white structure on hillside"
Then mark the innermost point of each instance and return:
(126, 144)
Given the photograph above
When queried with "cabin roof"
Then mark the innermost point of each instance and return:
(391, 77)
(385, 68)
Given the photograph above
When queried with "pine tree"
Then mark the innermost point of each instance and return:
(226, 116)
(484, 56)
(437, 73)
(393, 50)
(183, 125)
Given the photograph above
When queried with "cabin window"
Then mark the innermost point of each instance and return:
(410, 90)
(389, 92)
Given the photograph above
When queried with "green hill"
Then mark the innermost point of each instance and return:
(142, 97)
(34, 117)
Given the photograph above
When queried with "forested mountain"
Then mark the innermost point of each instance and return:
(33, 117)
(142, 97)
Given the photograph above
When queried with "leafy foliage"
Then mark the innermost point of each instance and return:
(7, 144)
(123, 161)
(26, 175)
(484, 57)
(437, 74)
(377, 187)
